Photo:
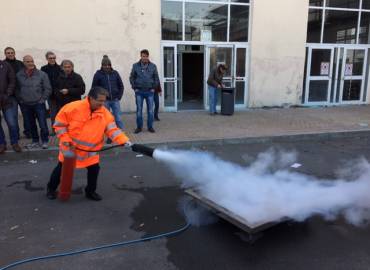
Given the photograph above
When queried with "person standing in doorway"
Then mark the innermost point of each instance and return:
(33, 91)
(214, 83)
(69, 85)
(53, 70)
(109, 79)
(144, 79)
(17, 65)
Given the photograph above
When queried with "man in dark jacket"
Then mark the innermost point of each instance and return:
(33, 91)
(109, 79)
(17, 65)
(8, 106)
(214, 82)
(144, 79)
(69, 85)
(53, 70)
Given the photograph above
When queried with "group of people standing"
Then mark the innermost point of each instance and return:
(21, 83)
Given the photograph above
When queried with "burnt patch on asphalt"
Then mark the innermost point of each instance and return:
(158, 212)
(27, 184)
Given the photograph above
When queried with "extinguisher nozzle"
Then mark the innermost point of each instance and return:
(142, 149)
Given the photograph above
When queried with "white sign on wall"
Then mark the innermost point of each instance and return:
(205, 35)
(348, 70)
(324, 68)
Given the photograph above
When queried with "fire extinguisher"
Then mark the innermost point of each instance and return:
(68, 167)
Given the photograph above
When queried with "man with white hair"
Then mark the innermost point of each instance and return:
(69, 85)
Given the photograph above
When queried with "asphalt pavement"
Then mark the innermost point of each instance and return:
(141, 197)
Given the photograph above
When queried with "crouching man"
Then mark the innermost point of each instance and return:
(82, 125)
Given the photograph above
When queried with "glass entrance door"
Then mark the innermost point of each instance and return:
(169, 76)
(216, 55)
(352, 75)
(319, 75)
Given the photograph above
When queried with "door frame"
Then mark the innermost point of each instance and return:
(343, 77)
(331, 101)
(310, 78)
(207, 70)
(169, 79)
(205, 44)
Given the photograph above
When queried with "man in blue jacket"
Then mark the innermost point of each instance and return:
(109, 79)
(144, 79)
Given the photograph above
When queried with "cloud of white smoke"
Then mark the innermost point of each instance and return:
(268, 191)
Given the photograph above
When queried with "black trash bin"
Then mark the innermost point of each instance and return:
(227, 101)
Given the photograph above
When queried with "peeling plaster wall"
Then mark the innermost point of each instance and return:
(278, 37)
(83, 31)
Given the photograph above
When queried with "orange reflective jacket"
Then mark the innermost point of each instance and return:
(77, 124)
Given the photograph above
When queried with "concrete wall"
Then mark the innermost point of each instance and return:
(83, 31)
(278, 37)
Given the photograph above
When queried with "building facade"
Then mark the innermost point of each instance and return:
(279, 53)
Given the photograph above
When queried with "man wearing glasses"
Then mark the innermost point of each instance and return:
(53, 70)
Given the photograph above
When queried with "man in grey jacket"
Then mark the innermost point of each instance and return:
(144, 79)
(33, 90)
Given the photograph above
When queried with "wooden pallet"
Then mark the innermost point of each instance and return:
(229, 216)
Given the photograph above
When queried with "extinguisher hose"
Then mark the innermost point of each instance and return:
(80, 251)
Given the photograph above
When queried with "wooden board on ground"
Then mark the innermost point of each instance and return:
(229, 216)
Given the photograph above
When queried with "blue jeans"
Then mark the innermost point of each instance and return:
(26, 125)
(149, 99)
(33, 112)
(212, 98)
(156, 104)
(114, 107)
(11, 118)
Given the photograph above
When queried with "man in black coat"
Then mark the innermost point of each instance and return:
(8, 107)
(17, 65)
(69, 85)
(53, 70)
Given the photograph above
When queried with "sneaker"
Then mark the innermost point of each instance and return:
(157, 119)
(137, 130)
(16, 148)
(151, 130)
(45, 145)
(33, 145)
(93, 196)
(2, 148)
(51, 194)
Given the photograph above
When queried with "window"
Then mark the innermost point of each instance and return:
(205, 21)
(338, 21)
(215, 20)
(171, 20)
(239, 19)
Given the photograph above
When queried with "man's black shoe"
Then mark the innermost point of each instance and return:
(51, 194)
(137, 130)
(151, 130)
(93, 196)
(157, 119)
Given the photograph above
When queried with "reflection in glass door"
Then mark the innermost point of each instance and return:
(170, 76)
(319, 75)
(216, 55)
(352, 75)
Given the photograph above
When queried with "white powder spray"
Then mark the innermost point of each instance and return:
(267, 191)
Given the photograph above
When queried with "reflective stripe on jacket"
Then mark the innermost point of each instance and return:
(77, 124)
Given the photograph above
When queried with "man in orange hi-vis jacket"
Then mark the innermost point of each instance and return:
(82, 125)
